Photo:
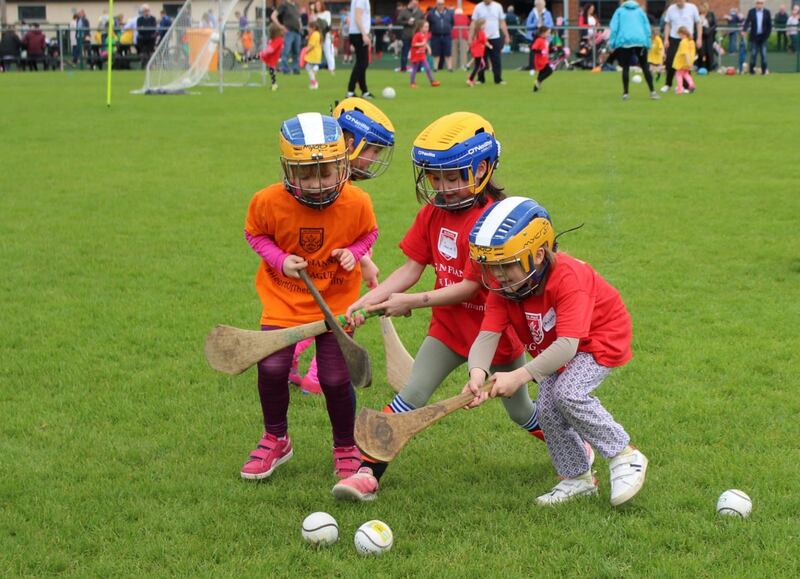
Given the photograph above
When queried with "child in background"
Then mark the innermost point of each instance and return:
(272, 53)
(575, 326)
(317, 221)
(655, 56)
(313, 54)
(418, 55)
(541, 60)
(742, 63)
(369, 139)
(477, 46)
(684, 61)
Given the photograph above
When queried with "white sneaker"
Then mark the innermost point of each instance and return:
(665, 88)
(628, 470)
(570, 488)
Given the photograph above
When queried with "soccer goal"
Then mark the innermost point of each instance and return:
(205, 46)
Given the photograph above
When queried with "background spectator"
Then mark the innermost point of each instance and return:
(146, 27)
(781, 18)
(758, 27)
(10, 49)
(706, 54)
(408, 17)
(440, 20)
(791, 27)
(492, 12)
(733, 37)
(163, 25)
(685, 14)
(630, 39)
(360, 23)
(36, 45)
(461, 39)
(539, 16)
(288, 17)
(512, 22)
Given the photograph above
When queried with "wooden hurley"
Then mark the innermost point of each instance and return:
(382, 436)
(355, 356)
(398, 360)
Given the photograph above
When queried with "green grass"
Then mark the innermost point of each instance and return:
(121, 246)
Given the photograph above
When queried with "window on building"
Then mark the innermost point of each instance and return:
(30, 13)
(172, 9)
(655, 8)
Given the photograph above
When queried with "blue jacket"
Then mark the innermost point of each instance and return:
(532, 23)
(629, 27)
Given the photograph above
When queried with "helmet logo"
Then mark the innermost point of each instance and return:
(479, 148)
(447, 243)
(535, 326)
(311, 238)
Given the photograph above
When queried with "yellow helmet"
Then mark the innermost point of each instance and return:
(373, 136)
(505, 238)
(458, 141)
(314, 159)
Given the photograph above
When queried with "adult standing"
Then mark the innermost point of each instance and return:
(408, 18)
(682, 13)
(146, 27)
(441, 22)
(494, 16)
(164, 25)
(360, 22)
(733, 36)
(709, 22)
(781, 18)
(287, 16)
(791, 27)
(327, 43)
(10, 49)
(512, 22)
(758, 26)
(630, 38)
(539, 16)
(35, 44)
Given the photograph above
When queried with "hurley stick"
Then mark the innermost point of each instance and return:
(398, 360)
(232, 350)
(382, 436)
(355, 356)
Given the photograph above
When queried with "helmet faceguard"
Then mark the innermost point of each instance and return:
(373, 137)
(504, 243)
(313, 159)
(459, 142)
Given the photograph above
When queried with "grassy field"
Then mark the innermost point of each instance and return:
(121, 246)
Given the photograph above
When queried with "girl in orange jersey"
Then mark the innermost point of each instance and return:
(317, 221)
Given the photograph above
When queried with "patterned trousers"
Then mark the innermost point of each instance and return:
(569, 415)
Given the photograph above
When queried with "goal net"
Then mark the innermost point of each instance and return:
(203, 46)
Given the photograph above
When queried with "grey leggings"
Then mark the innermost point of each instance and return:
(433, 364)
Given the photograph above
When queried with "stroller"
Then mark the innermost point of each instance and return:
(559, 57)
(585, 56)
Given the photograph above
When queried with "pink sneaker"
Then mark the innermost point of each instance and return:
(346, 460)
(270, 453)
(362, 486)
(310, 383)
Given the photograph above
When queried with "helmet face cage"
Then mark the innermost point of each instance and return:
(504, 276)
(370, 158)
(315, 183)
(433, 185)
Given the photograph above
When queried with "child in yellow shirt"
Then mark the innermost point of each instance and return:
(313, 54)
(655, 56)
(684, 60)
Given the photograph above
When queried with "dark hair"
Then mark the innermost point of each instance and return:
(491, 193)
(542, 30)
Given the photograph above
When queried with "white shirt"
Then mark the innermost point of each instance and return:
(759, 20)
(365, 16)
(687, 16)
(326, 16)
(493, 14)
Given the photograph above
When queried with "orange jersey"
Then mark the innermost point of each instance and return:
(313, 235)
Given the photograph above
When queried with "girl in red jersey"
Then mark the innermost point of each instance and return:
(418, 55)
(313, 220)
(454, 160)
(478, 46)
(541, 58)
(577, 329)
(272, 53)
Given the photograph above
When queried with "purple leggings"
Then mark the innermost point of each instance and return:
(417, 66)
(340, 398)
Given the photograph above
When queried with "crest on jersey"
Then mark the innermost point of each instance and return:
(535, 326)
(447, 243)
(311, 238)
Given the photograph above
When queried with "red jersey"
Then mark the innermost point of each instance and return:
(541, 58)
(418, 53)
(272, 53)
(576, 303)
(441, 239)
(478, 46)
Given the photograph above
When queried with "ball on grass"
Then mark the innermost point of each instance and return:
(214, 37)
(388, 93)
(730, 71)
(637, 78)
(320, 529)
(734, 503)
(373, 538)
(702, 71)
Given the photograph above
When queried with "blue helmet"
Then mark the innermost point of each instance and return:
(458, 141)
(373, 136)
(507, 236)
(314, 159)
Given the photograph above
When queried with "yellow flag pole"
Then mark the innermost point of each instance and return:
(109, 50)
